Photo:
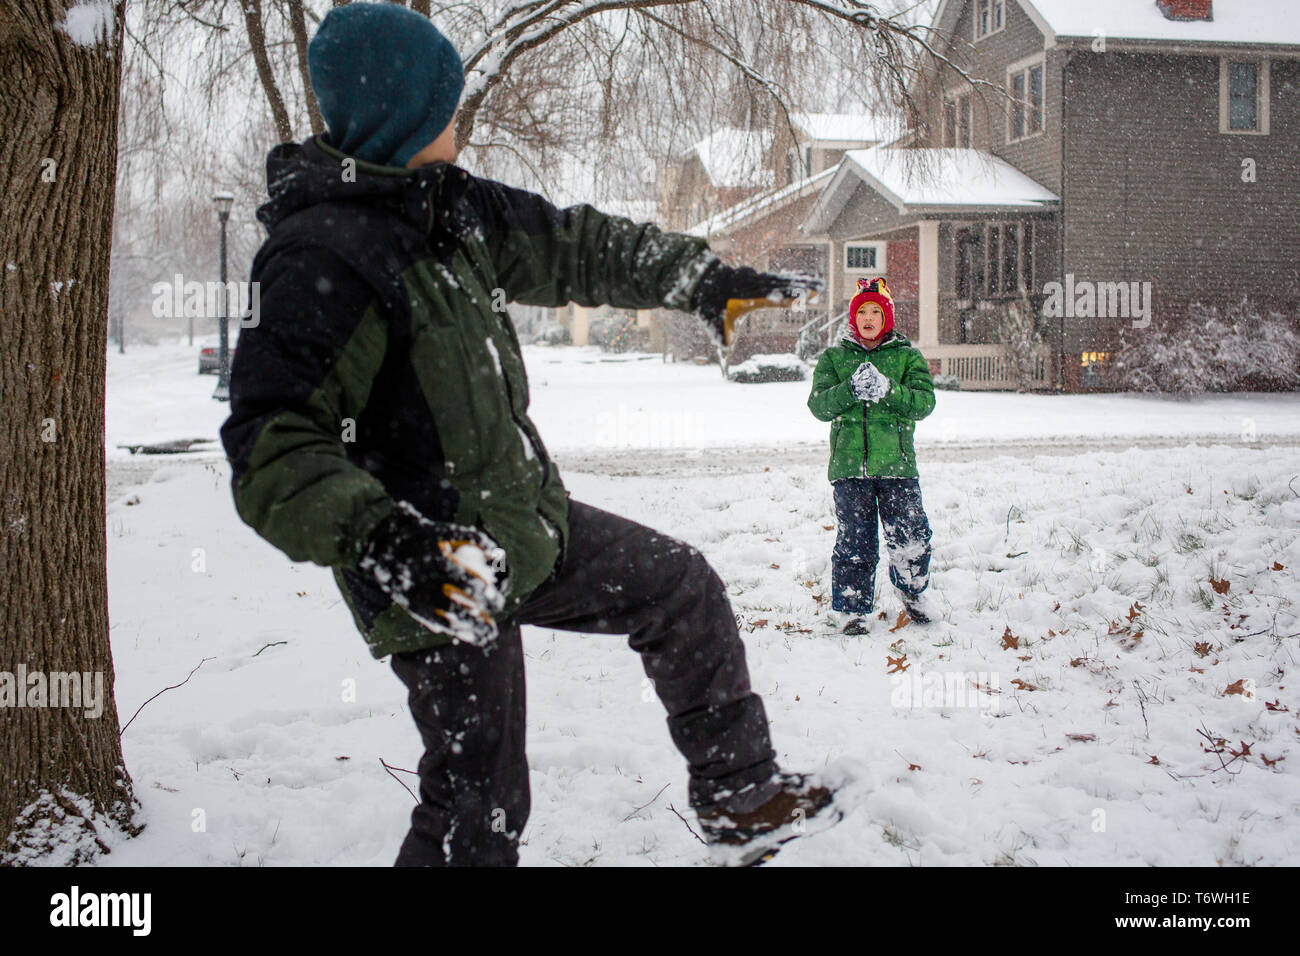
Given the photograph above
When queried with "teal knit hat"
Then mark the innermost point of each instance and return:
(386, 79)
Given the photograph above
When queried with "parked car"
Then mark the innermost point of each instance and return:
(210, 354)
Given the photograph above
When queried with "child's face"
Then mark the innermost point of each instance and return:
(871, 319)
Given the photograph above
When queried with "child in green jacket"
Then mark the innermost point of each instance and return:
(873, 387)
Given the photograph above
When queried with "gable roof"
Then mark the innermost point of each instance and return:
(750, 208)
(1236, 22)
(913, 180)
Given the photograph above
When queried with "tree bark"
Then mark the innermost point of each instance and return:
(63, 782)
(298, 23)
(257, 43)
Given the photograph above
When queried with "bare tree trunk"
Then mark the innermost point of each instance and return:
(62, 767)
(257, 42)
(298, 22)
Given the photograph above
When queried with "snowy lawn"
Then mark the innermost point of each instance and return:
(1118, 635)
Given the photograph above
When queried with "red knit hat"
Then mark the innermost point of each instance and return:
(872, 290)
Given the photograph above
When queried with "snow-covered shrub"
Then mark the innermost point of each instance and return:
(553, 335)
(1213, 350)
(616, 333)
(950, 383)
(780, 367)
(1016, 329)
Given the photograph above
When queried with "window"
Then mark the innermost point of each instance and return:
(956, 121)
(864, 257)
(990, 17)
(1027, 255)
(1010, 259)
(1091, 373)
(1243, 96)
(993, 260)
(1025, 84)
(970, 262)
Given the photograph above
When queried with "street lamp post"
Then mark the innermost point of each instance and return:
(223, 202)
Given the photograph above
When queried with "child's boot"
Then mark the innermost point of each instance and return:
(920, 608)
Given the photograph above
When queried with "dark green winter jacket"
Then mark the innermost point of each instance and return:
(873, 440)
(383, 366)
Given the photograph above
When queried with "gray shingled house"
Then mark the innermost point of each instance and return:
(1147, 155)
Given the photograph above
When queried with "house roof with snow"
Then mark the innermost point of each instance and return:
(733, 157)
(920, 180)
(860, 128)
(1248, 22)
(753, 208)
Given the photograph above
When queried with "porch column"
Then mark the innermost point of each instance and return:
(832, 292)
(927, 282)
(579, 330)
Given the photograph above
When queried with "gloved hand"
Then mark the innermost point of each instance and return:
(449, 577)
(722, 282)
(869, 384)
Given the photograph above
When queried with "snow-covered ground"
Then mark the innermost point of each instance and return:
(1120, 570)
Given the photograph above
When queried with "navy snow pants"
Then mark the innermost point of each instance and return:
(896, 503)
(617, 577)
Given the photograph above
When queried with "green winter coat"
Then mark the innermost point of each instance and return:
(384, 367)
(875, 440)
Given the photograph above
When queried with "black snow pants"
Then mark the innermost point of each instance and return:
(858, 503)
(617, 577)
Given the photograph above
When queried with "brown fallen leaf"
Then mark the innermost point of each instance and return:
(1134, 610)
(1154, 759)
(1202, 648)
(775, 567)
(1271, 763)
(903, 621)
(1278, 567)
(1082, 738)
(1009, 640)
(1277, 706)
(1220, 587)
(1023, 685)
(828, 527)
(897, 664)
(1236, 687)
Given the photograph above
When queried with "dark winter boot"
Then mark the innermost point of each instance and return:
(856, 626)
(919, 607)
(752, 838)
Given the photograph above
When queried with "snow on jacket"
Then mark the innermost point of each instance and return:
(873, 440)
(384, 366)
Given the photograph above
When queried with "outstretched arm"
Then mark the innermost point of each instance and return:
(549, 256)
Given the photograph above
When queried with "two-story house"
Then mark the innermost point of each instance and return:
(1136, 157)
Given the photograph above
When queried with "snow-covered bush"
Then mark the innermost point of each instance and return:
(950, 383)
(617, 333)
(1016, 330)
(1233, 349)
(553, 335)
(781, 367)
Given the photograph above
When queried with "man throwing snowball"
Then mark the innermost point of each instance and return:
(379, 426)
